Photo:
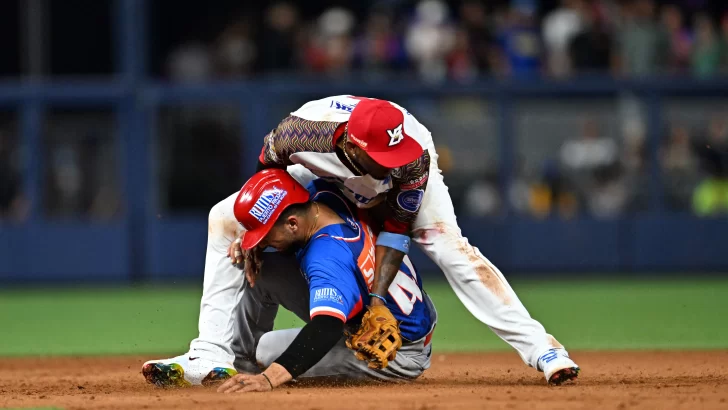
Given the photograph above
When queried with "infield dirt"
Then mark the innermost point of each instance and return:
(613, 380)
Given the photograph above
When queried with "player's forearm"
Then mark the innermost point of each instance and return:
(388, 261)
(311, 345)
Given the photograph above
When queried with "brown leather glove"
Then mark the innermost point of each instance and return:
(378, 338)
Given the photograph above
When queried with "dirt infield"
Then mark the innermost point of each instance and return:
(646, 380)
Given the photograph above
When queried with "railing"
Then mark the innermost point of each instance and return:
(140, 245)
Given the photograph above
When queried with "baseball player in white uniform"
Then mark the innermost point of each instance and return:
(383, 160)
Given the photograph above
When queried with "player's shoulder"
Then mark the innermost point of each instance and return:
(336, 108)
(327, 193)
(331, 238)
(326, 253)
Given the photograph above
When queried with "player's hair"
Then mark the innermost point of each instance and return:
(295, 209)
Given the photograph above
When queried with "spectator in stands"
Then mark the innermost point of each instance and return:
(482, 197)
(590, 151)
(679, 37)
(707, 50)
(12, 204)
(280, 35)
(380, 49)
(560, 27)
(461, 64)
(711, 195)
(477, 33)
(680, 167)
(590, 50)
(235, 51)
(582, 158)
(330, 48)
(678, 153)
(607, 194)
(191, 62)
(520, 42)
(429, 39)
(642, 44)
(552, 195)
(724, 44)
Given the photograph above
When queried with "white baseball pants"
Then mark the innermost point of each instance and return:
(480, 286)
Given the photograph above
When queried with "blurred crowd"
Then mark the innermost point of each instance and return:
(604, 177)
(442, 40)
(12, 203)
(581, 165)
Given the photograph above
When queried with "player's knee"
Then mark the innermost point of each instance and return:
(439, 232)
(217, 212)
(266, 352)
(222, 227)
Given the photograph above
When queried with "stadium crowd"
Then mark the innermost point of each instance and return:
(589, 171)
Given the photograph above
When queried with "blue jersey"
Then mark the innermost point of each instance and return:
(338, 263)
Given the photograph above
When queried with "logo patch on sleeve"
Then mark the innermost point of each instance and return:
(342, 106)
(327, 295)
(267, 204)
(410, 201)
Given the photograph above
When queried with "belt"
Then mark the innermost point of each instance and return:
(428, 338)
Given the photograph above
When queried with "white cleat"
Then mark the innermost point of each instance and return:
(557, 367)
(186, 370)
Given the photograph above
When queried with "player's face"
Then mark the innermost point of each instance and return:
(283, 236)
(278, 238)
(370, 166)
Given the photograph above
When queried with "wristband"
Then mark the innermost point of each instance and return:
(374, 295)
(269, 382)
(394, 241)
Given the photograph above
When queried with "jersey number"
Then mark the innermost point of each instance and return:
(405, 292)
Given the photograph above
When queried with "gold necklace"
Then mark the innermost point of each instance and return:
(315, 221)
(346, 139)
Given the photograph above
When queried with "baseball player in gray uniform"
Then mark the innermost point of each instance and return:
(322, 283)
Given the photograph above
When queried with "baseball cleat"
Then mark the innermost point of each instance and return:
(186, 370)
(557, 367)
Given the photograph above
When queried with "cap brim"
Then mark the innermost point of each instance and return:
(251, 239)
(407, 151)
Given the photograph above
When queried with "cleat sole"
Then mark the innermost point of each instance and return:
(564, 375)
(165, 375)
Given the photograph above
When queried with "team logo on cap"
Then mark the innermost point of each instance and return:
(395, 135)
(267, 204)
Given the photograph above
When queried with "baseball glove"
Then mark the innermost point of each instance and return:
(377, 339)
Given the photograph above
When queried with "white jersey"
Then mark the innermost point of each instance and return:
(308, 138)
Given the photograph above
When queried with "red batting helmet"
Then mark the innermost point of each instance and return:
(262, 200)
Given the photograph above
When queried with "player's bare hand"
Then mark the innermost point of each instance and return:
(235, 252)
(252, 262)
(244, 383)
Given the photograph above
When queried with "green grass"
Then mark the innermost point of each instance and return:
(619, 314)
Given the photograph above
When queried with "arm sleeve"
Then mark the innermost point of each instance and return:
(311, 344)
(334, 296)
(295, 134)
(405, 198)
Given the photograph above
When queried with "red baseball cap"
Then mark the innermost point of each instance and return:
(377, 127)
(262, 200)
